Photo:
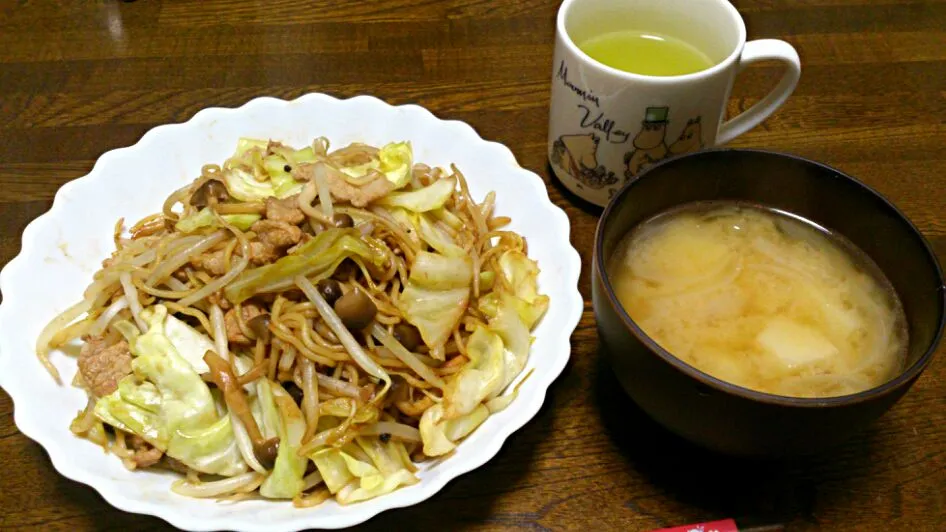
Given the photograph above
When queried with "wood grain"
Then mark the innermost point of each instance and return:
(80, 78)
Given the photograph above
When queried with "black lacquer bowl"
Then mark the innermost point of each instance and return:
(726, 417)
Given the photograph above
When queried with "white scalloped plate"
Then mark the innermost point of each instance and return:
(63, 247)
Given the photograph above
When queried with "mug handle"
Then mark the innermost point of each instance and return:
(755, 51)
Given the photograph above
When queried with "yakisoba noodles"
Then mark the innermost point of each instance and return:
(303, 324)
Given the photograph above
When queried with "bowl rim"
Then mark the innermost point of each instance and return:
(906, 376)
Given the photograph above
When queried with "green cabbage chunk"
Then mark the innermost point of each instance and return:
(285, 480)
(284, 184)
(508, 324)
(487, 278)
(352, 480)
(244, 186)
(437, 238)
(395, 161)
(333, 469)
(522, 274)
(481, 378)
(440, 435)
(437, 294)
(374, 484)
(205, 218)
(189, 343)
(406, 219)
(385, 456)
(251, 176)
(293, 156)
(423, 230)
(447, 217)
(342, 407)
(498, 354)
(431, 197)
(461, 427)
(316, 259)
(245, 144)
(265, 411)
(167, 403)
(250, 154)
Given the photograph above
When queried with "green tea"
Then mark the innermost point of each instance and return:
(649, 54)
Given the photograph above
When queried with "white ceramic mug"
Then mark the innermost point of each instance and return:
(606, 125)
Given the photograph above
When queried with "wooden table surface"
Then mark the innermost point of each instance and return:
(80, 78)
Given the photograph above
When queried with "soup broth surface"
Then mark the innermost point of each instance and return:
(761, 299)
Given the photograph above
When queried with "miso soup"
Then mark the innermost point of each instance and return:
(761, 299)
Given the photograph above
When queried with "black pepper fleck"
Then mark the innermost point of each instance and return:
(287, 168)
(384, 437)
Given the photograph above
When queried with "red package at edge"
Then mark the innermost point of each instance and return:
(724, 525)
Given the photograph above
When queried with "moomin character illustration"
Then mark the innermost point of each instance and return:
(578, 155)
(650, 143)
(690, 139)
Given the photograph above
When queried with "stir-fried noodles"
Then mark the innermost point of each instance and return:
(303, 324)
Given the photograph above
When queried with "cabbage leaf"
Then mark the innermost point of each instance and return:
(274, 165)
(481, 378)
(394, 161)
(244, 186)
(205, 218)
(351, 479)
(333, 468)
(189, 343)
(498, 353)
(437, 238)
(522, 274)
(437, 294)
(516, 340)
(421, 229)
(439, 435)
(285, 481)
(431, 197)
(316, 259)
(166, 402)
(342, 407)
(397, 162)
(374, 484)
